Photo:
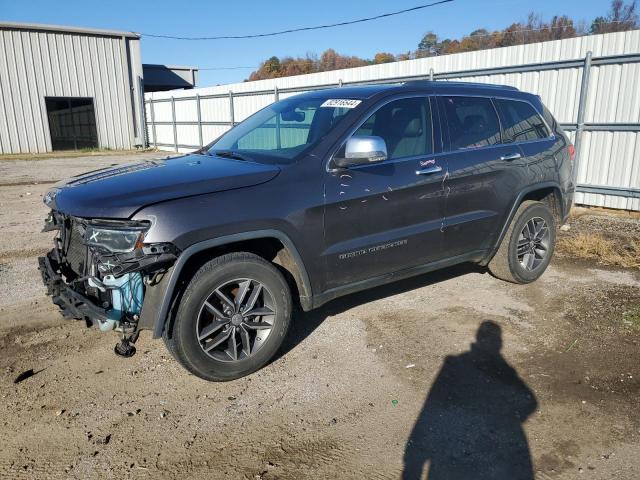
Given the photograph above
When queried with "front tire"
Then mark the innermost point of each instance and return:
(528, 245)
(232, 318)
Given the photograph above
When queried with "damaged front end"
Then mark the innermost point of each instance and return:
(99, 270)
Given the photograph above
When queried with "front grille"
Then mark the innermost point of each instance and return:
(75, 252)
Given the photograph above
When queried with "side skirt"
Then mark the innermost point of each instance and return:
(324, 297)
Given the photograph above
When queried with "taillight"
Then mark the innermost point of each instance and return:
(572, 152)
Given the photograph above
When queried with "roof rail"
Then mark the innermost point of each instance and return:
(432, 83)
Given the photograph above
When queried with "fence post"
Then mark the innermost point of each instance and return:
(153, 123)
(231, 112)
(276, 95)
(173, 122)
(199, 120)
(582, 105)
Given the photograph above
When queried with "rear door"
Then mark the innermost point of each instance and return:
(523, 124)
(484, 173)
(387, 216)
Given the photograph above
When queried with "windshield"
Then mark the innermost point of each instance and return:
(284, 130)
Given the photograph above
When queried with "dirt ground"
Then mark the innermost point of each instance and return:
(455, 372)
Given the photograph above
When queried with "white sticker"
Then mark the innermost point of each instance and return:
(341, 103)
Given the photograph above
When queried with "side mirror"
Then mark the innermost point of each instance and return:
(361, 150)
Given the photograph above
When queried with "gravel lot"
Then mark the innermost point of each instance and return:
(454, 371)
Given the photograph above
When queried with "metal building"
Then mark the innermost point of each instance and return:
(69, 88)
(159, 78)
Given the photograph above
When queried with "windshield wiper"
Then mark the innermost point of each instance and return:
(229, 154)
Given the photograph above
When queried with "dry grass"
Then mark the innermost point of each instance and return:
(621, 252)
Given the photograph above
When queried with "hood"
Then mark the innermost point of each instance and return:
(118, 192)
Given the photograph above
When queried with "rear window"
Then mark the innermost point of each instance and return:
(473, 122)
(521, 122)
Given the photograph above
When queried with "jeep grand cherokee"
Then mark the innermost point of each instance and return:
(313, 197)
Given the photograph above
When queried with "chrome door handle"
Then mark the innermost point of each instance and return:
(512, 156)
(429, 170)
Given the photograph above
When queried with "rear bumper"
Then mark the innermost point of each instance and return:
(73, 304)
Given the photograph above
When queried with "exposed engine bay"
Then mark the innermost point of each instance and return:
(98, 272)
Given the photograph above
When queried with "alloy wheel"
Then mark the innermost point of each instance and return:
(235, 320)
(533, 243)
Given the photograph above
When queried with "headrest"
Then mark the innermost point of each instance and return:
(406, 122)
(474, 124)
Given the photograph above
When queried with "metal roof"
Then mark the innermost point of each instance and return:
(172, 67)
(164, 77)
(65, 29)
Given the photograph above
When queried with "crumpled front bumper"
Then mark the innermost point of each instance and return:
(73, 304)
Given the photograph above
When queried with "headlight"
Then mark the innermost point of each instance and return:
(115, 239)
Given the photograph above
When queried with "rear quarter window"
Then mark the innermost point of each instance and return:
(520, 121)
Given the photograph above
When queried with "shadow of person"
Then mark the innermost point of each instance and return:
(470, 426)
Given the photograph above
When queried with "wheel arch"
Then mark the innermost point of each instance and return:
(266, 243)
(547, 192)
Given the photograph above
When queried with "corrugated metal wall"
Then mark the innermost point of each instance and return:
(39, 63)
(609, 157)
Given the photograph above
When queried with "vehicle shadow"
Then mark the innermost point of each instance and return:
(305, 323)
(471, 423)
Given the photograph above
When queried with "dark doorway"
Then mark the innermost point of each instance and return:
(72, 123)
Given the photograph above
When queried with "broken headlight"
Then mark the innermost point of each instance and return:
(116, 238)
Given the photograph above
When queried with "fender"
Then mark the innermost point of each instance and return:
(155, 312)
(514, 208)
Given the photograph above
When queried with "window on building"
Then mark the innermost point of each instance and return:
(72, 123)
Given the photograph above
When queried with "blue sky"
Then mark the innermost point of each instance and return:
(205, 18)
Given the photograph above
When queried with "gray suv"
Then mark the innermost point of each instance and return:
(313, 197)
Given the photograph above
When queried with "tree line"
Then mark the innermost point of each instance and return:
(622, 16)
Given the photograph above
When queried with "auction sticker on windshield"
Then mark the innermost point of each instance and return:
(341, 103)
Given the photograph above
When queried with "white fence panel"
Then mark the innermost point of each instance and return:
(215, 110)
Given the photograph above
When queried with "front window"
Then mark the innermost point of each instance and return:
(282, 131)
(405, 126)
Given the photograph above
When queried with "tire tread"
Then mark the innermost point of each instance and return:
(501, 265)
(173, 341)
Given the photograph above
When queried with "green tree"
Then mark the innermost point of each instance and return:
(428, 46)
(598, 25)
(272, 65)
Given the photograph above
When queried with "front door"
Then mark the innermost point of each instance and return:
(387, 216)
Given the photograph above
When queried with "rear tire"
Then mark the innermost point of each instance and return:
(232, 318)
(528, 245)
